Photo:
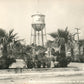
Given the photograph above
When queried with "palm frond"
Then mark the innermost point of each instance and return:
(11, 31)
(12, 36)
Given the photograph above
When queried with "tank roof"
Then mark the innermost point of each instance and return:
(39, 14)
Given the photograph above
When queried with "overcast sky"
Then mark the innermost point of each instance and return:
(59, 14)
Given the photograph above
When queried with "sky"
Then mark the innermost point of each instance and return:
(16, 14)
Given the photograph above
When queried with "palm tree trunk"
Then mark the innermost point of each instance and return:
(72, 52)
(62, 50)
(4, 52)
(83, 50)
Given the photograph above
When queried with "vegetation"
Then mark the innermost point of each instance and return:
(36, 56)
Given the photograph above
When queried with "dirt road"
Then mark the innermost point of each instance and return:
(48, 76)
(64, 77)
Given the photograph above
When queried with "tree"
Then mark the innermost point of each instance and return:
(61, 38)
(5, 41)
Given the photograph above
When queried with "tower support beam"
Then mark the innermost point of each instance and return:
(42, 37)
(34, 37)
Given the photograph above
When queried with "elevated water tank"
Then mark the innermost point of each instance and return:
(38, 22)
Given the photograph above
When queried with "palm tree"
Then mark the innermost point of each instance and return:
(5, 40)
(61, 38)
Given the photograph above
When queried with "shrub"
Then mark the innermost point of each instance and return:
(81, 58)
(30, 64)
(38, 64)
(63, 61)
(29, 61)
(6, 62)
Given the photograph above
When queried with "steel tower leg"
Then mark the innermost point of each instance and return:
(34, 37)
(38, 37)
(42, 38)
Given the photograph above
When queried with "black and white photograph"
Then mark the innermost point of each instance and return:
(41, 41)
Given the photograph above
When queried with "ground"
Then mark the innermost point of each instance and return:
(74, 74)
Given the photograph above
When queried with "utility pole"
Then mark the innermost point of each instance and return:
(78, 38)
(77, 33)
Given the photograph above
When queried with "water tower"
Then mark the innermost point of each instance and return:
(38, 32)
